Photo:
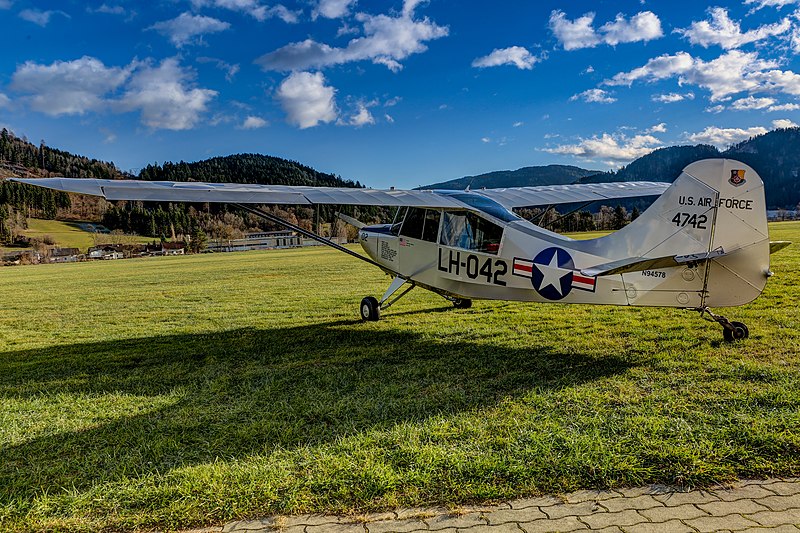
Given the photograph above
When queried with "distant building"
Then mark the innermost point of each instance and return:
(165, 248)
(106, 252)
(264, 240)
(782, 214)
(65, 255)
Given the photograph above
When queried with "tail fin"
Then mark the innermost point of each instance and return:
(707, 234)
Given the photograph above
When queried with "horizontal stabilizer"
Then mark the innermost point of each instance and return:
(637, 264)
(776, 246)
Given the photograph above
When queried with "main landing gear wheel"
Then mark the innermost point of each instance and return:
(462, 303)
(738, 332)
(370, 309)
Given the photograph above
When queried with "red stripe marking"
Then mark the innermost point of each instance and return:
(523, 267)
(582, 279)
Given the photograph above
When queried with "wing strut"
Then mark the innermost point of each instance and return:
(309, 234)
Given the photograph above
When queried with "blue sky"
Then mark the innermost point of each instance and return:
(400, 93)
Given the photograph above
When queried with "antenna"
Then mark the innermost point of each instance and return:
(470, 183)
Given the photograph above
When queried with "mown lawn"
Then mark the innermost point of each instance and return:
(173, 392)
(66, 234)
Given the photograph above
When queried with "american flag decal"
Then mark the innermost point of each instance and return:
(584, 283)
(522, 267)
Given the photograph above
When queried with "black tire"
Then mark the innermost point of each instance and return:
(370, 309)
(739, 332)
(462, 303)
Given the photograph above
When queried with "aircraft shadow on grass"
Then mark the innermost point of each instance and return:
(247, 392)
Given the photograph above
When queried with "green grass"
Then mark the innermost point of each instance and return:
(174, 392)
(65, 234)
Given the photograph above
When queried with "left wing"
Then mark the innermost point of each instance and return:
(244, 193)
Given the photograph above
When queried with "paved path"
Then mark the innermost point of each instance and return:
(771, 505)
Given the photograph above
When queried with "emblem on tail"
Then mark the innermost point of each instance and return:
(737, 178)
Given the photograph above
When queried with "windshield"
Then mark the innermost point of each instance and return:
(482, 203)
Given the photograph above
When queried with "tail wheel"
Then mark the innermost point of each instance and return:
(462, 303)
(738, 332)
(370, 309)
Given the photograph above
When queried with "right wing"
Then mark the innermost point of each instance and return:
(245, 193)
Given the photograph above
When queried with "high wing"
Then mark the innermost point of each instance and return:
(243, 193)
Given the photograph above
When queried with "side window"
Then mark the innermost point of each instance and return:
(487, 236)
(412, 225)
(431, 230)
(454, 230)
(471, 232)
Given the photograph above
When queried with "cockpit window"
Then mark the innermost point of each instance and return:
(412, 225)
(398, 220)
(463, 229)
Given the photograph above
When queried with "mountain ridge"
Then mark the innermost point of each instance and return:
(522, 177)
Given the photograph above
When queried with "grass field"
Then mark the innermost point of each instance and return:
(65, 234)
(173, 392)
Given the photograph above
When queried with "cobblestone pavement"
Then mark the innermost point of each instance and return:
(771, 505)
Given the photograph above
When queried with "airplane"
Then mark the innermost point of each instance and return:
(702, 244)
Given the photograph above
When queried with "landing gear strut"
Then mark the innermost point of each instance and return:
(371, 308)
(731, 331)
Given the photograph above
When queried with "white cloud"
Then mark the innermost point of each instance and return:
(253, 123)
(594, 95)
(670, 98)
(306, 99)
(784, 107)
(751, 102)
(574, 34)
(389, 118)
(164, 96)
(6, 4)
(486, 140)
(361, 118)
(783, 123)
(770, 3)
(39, 17)
(230, 70)
(723, 137)
(332, 9)
(658, 128)
(644, 26)
(5, 101)
(386, 41)
(68, 87)
(727, 33)
(715, 109)
(515, 55)
(254, 8)
(609, 148)
(518, 124)
(188, 28)
(108, 10)
(731, 73)
(580, 33)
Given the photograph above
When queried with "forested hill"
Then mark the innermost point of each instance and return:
(245, 168)
(523, 177)
(774, 155)
(664, 164)
(19, 157)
